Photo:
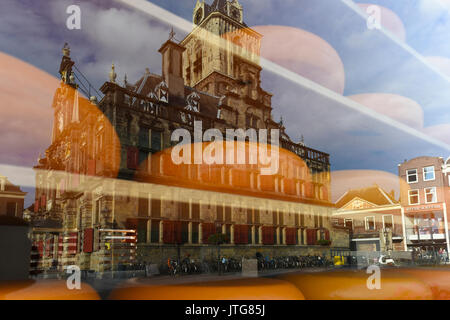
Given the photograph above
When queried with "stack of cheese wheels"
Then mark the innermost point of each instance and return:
(356, 285)
(45, 290)
(237, 289)
(438, 279)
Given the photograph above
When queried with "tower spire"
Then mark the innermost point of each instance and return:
(112, 74)
(65, 68)
(172, 35)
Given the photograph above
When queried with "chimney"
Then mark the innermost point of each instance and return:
(172, 67)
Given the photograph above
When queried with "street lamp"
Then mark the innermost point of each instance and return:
(104, 212)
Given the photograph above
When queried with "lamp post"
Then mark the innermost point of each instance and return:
(104, 212)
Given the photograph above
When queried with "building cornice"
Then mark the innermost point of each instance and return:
(240, 26)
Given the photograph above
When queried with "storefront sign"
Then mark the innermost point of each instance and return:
(427, 207)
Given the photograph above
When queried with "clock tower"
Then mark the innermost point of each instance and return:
(222, 58)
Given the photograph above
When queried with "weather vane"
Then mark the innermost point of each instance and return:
(172, 34)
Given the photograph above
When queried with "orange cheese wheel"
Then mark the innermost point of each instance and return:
(436, 278)
(45, 290)
(353, 285)
(241, 289)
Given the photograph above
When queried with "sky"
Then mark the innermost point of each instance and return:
(370, 98)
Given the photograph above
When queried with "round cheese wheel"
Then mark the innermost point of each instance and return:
(438, 279)
(240, 289)
(359, 285)
(45, 290)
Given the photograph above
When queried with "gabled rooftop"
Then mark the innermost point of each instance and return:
(373, 194)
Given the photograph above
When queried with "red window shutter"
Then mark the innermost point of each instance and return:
(91, 167)
(40, 246)
(88, 240)
(290, 236)
(268, 235)
(36, 206)
(132, 158)
(168, 232)
(327, 234)
(237, 234)
(43, 201)
(241, 234)
(311, 236)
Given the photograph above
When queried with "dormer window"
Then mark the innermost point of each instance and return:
(193, 102)
(151, 106)
(162, 92)
(198, 16)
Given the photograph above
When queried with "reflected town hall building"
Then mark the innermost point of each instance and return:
(107, 191)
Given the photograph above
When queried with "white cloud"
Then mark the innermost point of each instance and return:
(109, 34)
(434, 7)
(115, 34)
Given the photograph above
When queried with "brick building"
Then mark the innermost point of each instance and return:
(373, 217)
(424, 194)
(107, 184)
(11, 198)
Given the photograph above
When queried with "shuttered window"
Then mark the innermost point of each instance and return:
(172, 232)
(311, 236)
(268, 235)
(88, 240)
(240, 234)
(132, 158)
(291, 236)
